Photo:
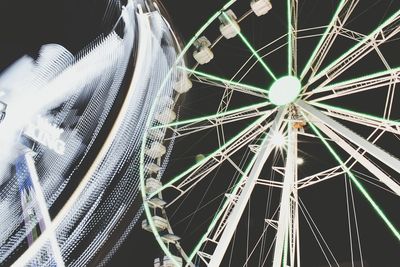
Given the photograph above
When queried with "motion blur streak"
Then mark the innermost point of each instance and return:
(103, 208)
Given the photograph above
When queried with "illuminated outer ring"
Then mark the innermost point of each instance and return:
(148, 125)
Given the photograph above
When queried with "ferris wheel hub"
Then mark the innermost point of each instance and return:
(284, 90)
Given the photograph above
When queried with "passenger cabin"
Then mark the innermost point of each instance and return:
(203, 53)
(229, 28)
(260, 7)
(167, 262)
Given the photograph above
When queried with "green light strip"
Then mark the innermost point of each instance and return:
(228, 201)
(359, 186)
(321, 41)
(358, 45)
(148, 125)
(208, 23)
(226, 81)
(339, 109)
(222, 209)
(365, 78)
(213, 116)
(247, 43)
(219, 150)
(290, 37)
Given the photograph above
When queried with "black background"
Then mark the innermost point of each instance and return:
(25, 25)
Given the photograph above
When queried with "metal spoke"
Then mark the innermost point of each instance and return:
(359, 186)
(226, 82)
(357, 85)
(361, 118)
(372, 149)
(251, 48)
(245, 194)
(222, 211)
(342, 13)
(214, 120)
(380, 35)
(289, 180)
(202, 171)
(292, 15)
(385, 179)
(220, 151)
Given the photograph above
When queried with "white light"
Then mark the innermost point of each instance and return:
(284, 90)
(278, 139)
(300, 161)
(47, 134)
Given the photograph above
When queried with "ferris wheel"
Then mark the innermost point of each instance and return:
(278, 137)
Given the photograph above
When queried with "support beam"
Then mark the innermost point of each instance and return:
(285, 212)
(359, 186)
(380, 35)
(226, 82)
(342, 13)
(374, 122)
(43, 210)
(251, 48)
(240, 136)
(236, 214)
(372, 149)
(385, 179)
(292, 14)
(357, 85)
(234, 113)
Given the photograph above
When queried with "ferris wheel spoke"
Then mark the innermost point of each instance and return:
(336, 171)
(267, 225)
(323, 126)
(317, 234)
(292, 15)
(372, 149)
(210, 79)
(240, 88)
(319, 177)
(357, 85)
(353, 178)
(250, 47)
(241, 137)
(342, 13)
(349, 221)
(384, 178)
(215, 226)
(356, 222)
(189, 126)
(285, 226)
(197, 175)
(380, 35)
(361, 118)
(242, 199)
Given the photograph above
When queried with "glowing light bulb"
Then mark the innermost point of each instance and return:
(278, 139)
(300, 161)
(284, 90)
